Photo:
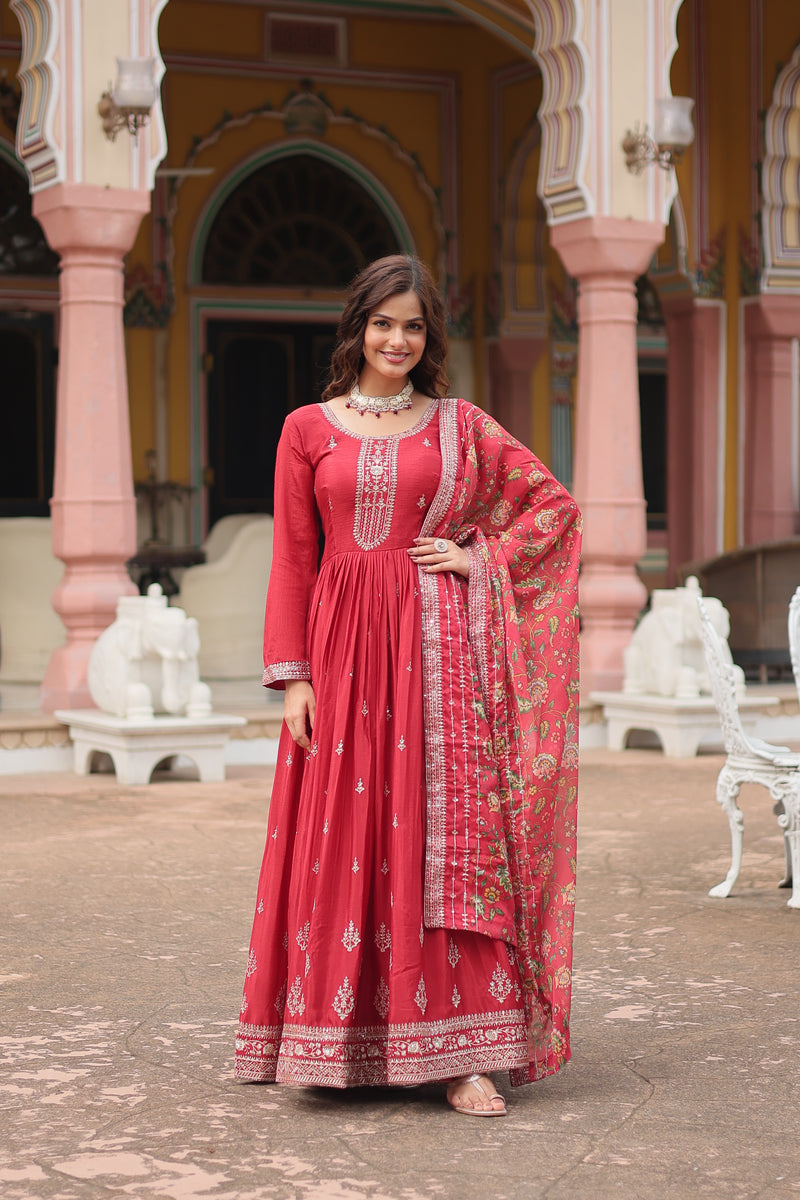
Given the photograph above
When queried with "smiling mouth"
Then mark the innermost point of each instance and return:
(395, 355)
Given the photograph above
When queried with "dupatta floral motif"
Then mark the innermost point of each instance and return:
(501, 730)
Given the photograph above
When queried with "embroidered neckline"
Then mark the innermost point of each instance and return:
(424, 420)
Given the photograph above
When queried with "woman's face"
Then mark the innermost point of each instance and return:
(394, 341)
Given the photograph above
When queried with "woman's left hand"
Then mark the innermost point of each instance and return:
(433, 555)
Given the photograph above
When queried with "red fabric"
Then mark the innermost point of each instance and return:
(501, 830)
(346, 982)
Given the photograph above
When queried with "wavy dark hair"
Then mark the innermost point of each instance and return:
(390, 276)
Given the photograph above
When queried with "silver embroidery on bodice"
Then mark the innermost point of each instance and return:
(376, 487)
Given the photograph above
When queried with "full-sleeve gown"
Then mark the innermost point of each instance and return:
(345, 984)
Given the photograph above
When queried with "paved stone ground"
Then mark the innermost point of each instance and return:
(125, 920)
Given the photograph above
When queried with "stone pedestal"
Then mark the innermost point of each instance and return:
(681, 725)
(137, 747)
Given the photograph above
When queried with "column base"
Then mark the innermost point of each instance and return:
(65, 683)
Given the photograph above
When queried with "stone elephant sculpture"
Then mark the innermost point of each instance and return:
(665, 655)
(145, 662)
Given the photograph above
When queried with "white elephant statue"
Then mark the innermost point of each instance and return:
(665, 656)
(146, 661)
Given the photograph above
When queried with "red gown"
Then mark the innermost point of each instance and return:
(344, 983)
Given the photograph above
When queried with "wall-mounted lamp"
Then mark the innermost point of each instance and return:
(127, 104)
(673, 132)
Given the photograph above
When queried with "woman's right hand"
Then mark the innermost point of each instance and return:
(299, 706)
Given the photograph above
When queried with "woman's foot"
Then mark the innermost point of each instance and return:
(475, 1096)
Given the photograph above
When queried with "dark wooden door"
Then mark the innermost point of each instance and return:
(653, 412)
(257, 373)
(28, 410)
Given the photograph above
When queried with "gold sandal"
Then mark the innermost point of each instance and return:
(475, 1080)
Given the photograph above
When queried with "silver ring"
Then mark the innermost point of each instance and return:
(441, 546)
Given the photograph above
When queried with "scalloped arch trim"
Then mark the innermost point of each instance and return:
(40, 80)
(780, 183)
(562, 114)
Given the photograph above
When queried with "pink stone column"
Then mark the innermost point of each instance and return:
(770, 326)
(695, 341)
(511, 364)
(94, 519)
(606, 255)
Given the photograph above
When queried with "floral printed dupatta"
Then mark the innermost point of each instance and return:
(501, 694)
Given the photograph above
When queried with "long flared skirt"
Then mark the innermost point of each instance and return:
(344, 984)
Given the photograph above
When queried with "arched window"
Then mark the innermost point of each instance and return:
(296, 221)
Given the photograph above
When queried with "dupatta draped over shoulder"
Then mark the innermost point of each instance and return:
(501, 822)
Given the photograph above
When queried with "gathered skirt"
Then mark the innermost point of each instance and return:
(344, 984)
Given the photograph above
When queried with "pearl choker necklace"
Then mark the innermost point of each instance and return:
(380, 404)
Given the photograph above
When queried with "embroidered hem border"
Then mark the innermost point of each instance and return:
(279, 672)
(431, 659)
(382, 1054)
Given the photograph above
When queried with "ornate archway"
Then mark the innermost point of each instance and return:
(284, 185)
(291, 226)
(296, 220)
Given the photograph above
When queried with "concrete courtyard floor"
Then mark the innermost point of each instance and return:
(125, 921)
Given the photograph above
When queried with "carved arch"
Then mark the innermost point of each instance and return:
(780, 183)
(50, 130)
(563, 112)
(39, 76)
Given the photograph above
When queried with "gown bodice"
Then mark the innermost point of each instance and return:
(372, 492)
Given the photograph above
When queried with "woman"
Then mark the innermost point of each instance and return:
(415, 905)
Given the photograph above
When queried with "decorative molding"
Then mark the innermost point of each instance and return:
(286, 146)
(40, 79)
(150, 297)
(780, 204)
(442, 86)
(749, 266)
(563, 113)
(148, 304)
(34, 735)
(710, 270)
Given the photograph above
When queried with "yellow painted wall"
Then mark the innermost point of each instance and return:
(780, 36)
(195, 101)
(719, 53)
(139, 353)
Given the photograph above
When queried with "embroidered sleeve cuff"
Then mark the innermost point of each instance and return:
(277, 673)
